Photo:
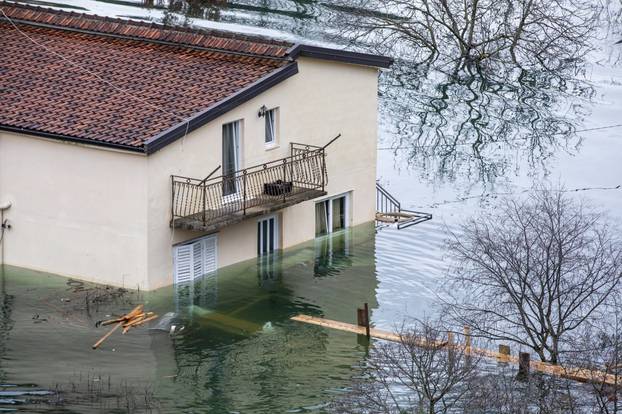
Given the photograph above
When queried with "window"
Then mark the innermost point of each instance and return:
(271, 120)
(230, 157)
(194, 259)
(330, 215)
(267, 235)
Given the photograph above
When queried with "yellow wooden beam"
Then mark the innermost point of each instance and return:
(573, 373)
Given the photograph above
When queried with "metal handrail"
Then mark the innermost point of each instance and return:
(388, 205)
(209, 175)
(385, 202)
(249, 170)
(212, 199)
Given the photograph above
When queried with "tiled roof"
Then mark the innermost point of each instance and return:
(118, 82)
(234, 42)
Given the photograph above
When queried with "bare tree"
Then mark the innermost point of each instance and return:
(531, 33)
(425, 374)
(422, 373)
(534, 271)
(499, 391)
(598, 348)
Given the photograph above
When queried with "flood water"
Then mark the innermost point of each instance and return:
(238, 352)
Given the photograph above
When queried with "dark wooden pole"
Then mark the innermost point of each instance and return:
(367, 320)
(451, 354)
(362, 318)
(523, 366)
(467, 344)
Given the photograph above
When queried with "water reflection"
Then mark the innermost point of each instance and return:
(6, 322)
(239, 350)
(450, 120)
(479, 125)
(332, 254)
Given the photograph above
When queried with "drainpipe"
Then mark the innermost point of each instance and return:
(4, 225)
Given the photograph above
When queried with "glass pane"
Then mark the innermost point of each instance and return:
(270, 118)
(271, 232)
(259, 238)
(339, 213)
(264, 237)
(321, 218)
(229, 162)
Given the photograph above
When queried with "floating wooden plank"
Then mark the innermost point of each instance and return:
(573, 373)
(136, 313)
(103, 338)
(141, 321)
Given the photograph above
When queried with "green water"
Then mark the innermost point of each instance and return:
(237, 352)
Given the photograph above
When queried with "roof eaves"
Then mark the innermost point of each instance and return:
(337, 55)
(70, 138)
(180, 130)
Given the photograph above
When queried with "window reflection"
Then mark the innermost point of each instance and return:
(332, 254)
(269, 270)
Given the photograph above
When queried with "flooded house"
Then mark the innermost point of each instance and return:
(141, 155)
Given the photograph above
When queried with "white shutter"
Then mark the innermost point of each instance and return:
(182, 264)
(194, 260)
(197, 259)
(209, 254)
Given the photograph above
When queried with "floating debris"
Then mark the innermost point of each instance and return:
(167, 323)
(131, 320)
(38, 319)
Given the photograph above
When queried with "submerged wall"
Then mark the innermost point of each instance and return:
(76, 211)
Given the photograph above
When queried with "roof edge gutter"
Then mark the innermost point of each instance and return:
(180, 130)
(68, 138)
(337, 55)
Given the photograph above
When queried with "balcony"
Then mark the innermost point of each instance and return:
(213, 203)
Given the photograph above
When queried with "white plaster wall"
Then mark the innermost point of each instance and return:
(321, 101)
(77, 211)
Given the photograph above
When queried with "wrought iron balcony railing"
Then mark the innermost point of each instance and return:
(213, 203)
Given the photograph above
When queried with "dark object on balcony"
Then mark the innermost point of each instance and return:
(279, 187)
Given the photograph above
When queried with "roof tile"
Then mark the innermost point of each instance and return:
(117, 90)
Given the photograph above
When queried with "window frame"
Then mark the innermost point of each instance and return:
(238, 128)
(329, 213)
(271, 114)
(275, 237)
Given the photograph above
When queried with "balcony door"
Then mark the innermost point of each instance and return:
(230, 158)
(331, 215)
(267, 235)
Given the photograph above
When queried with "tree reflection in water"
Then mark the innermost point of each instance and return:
(474, 117)
(479, 124)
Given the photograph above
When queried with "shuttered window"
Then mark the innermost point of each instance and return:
(193, 260)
